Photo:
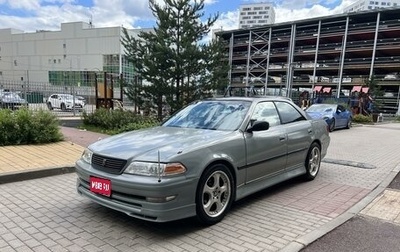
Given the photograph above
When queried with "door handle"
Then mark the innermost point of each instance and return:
(282, 138)
(309, 131)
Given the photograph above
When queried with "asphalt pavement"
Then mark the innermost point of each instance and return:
(366, 233)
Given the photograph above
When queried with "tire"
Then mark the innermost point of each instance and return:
(313, 162)
(49, 106)
(332, 125)
(63, 107)
(349, 122)
(213, 199)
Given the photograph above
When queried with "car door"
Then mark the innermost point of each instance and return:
(299, 132)
(341, 116)
(54, 101)
(266, 150)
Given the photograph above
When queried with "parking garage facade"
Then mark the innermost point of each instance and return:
(333, 55)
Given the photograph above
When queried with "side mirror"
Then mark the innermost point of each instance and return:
(259, 126)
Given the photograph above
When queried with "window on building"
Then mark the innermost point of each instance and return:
(257, 17)
(251, 13)
(246, 18)
(370, 7)
(394, 4)
(376, 3)
(371, 2)
(246, 9)
(1, 73)
(64, 45)
(383, 3)
(257, 8)
(267, 7)
(59, 61)
(388, 3)
(54, 61)
(242, 13)
(262, 21)
(262, 12)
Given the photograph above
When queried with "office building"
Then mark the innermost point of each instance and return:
(256, 14)
(361, 5)
(72, 54)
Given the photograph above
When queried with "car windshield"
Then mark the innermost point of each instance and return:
(11, 96)
(321, 108)
(214, 115)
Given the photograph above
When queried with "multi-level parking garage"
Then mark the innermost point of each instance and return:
(320, 55)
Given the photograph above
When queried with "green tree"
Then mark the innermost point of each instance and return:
(172, 60)
(375, 92)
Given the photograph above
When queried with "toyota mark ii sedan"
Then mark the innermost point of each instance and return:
(206, 156)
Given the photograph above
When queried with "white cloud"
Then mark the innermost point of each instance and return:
(24, 4)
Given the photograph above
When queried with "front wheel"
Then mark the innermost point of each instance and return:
(313, 161)
(63, 107)
(215, 193)
(348, 125)
(332, 125)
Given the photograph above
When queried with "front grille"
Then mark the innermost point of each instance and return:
(107, 164)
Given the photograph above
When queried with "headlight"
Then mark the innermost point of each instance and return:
(155, 169)
(87, 156)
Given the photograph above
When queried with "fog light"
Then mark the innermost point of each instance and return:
(160, 199)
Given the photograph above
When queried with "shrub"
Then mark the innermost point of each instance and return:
(358, 118)
(27, 127)
(117, 121)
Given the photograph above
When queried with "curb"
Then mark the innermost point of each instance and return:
(34, 174)
(309, 238)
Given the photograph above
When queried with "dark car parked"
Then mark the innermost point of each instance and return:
(11, 100)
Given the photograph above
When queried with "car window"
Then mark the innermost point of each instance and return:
(215, 115)
(288, 113)
(266, 111)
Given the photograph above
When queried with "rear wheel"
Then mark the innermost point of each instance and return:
(313, 161)
(215, 193)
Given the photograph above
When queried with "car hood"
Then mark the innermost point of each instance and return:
(167, 141)
(13, 100)
(318, 115)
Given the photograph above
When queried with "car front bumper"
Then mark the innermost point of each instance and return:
(129, 194)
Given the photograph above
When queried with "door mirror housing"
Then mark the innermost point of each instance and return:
(259, 126)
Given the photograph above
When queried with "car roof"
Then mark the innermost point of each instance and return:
(252, 98)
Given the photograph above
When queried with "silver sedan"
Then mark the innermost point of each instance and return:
(206, 156)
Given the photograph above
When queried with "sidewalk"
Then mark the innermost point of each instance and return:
(34, 161)
(310, 210)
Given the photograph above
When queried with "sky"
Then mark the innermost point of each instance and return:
(32, 15)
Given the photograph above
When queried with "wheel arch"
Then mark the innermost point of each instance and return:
(230, 168)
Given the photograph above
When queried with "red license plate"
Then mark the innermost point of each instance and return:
(100, 186)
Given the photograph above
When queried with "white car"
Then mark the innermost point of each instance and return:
(64, 102)
(392, 76)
